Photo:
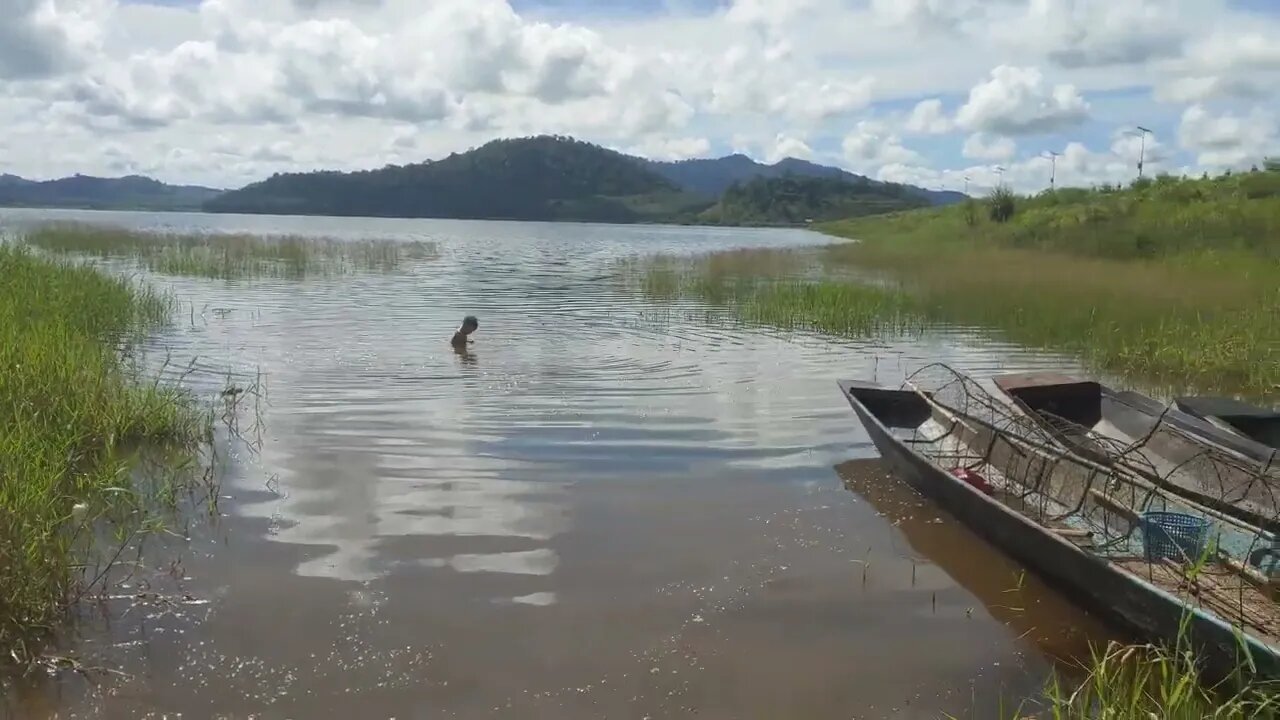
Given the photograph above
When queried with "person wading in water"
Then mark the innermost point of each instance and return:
(469, 325)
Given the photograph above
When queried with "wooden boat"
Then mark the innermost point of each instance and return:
(1256, 423)
(1213, 467)
(1070, 521)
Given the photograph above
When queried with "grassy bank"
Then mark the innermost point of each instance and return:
(70, 412)
(1140, 682)
(230, 256)
(1170, 282)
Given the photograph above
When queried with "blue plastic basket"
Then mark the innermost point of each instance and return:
(1173, 535)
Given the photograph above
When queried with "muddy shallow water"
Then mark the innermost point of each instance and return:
(607, 508)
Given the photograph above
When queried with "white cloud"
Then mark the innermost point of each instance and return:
(1228, 141)
(1016, 101)
(786, 146)
(1097, 33)
(423, 69)
(208, 92)
(672, 148)
(927, 118)
(1237, 63)
(924, 16)
(871, 146)
(1077, 166)
(740, 83)
(39, 38)
(981, 146)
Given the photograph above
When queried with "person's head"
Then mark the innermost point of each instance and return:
(469, 325)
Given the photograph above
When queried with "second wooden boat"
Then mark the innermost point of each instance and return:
(1185, 454)
(1256, 423)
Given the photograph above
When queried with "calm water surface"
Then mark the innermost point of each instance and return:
(607, 508)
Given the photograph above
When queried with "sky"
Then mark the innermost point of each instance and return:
(946, 94)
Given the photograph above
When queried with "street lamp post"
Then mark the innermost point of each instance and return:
(1053, 167)
(1142, 149)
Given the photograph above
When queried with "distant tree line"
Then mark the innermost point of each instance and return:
(559, 178)
(795, 200)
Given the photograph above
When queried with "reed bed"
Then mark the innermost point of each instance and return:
(72, 411)
(230, 256)
(1172, 300)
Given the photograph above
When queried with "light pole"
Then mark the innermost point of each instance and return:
(966, 184)
(1053, 167)
(1000, 176)
(1142, 150)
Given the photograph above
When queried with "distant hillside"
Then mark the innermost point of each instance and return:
(541, 178)
(798, 199)
(9, 181)
(133, 192)
(537, 178)
(712, 177)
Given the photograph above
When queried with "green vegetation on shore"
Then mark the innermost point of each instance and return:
(71, 412)
(1172, 281)
(795, 200)
(229, 256)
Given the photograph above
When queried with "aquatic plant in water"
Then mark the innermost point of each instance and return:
(73, 416)
(230, 256)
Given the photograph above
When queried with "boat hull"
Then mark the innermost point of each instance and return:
(1096, 584)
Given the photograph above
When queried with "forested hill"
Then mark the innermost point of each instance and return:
(711, 177)
(132, 192)
(542, 178)
(796, 200)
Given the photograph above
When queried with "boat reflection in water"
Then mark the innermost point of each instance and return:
(1033, 612)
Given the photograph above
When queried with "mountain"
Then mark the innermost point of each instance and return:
(544, 178)
(133, 192)
(711, 177)
(539, 178)
(11, 181)
(798, 199)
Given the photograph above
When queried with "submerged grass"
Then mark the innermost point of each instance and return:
(1140, 682)
(1174, 283)
(230, 256)
(71, 410)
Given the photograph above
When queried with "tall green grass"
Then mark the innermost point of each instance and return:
(230, 256)
(71, 410)
(1144, 284)
(1140, 682)
(1143, 682)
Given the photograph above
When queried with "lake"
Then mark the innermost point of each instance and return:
(606, 508)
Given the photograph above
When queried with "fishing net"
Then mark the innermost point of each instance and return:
(1192, 516)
